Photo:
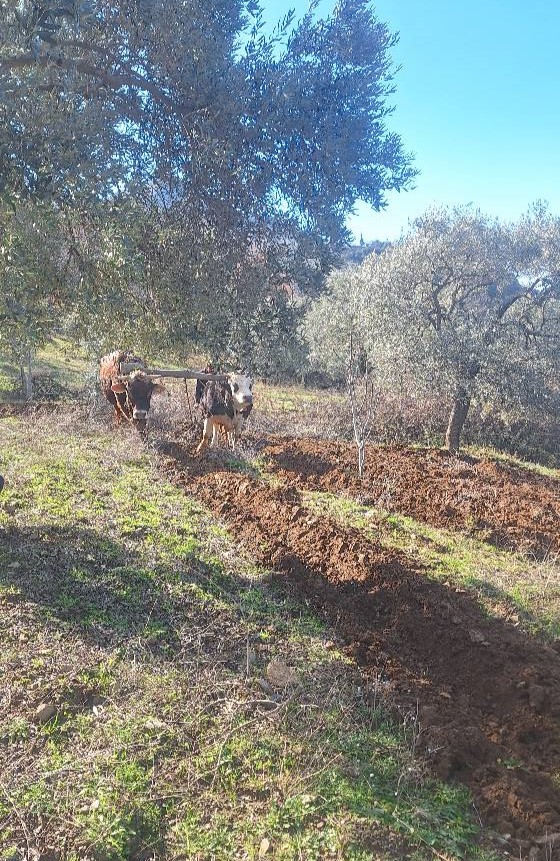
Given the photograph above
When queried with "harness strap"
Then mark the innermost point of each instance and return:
(128, 418)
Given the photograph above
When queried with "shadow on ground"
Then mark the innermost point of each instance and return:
(94, 586)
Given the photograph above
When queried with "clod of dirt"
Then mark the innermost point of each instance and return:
(478, 637)
(537, 696)
(280, 675)
(44, 712)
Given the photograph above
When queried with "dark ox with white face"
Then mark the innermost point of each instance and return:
(224, 405)
(131, 394)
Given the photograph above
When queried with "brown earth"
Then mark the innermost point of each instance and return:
(486, 696)
(509, 506)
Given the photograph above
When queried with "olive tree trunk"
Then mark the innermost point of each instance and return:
(26, 378)
(457, 420)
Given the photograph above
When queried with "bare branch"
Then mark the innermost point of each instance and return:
(108, 79)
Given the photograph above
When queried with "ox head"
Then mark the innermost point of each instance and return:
(241, 390)
(139, 388)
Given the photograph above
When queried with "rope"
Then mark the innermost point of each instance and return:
(118, 403)
(189, 401)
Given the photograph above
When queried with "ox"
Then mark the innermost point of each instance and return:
(223, 405)
(130, 394)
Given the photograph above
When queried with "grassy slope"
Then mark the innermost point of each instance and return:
(59, 368)
(127, 613)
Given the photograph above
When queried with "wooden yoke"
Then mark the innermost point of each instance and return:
(129, 367)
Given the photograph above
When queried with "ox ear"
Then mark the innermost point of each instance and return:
(159, 389)
(118, 387)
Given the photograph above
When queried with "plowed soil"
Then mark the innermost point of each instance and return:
(487, 695)
(508, 506)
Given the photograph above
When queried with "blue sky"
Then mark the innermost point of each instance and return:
(477, 102)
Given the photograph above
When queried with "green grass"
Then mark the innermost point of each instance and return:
(127, 608)
(507, 584)
(63, 357)
(284, 398)
(512, 461)
(59, 368)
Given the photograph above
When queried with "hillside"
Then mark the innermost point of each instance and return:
(253, 656)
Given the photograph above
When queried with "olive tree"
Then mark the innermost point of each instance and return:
(462, 306)
(62, 270)
(222, 141)
(32, 289)
(193, 96)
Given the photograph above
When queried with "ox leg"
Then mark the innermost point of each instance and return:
(206, 435)
(235, 432)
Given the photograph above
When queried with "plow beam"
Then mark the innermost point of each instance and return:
(129, 367)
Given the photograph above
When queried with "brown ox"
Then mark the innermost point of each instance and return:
(130, 394)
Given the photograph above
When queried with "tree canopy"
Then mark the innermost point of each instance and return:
(229, 158)
(463, 306)
(195, 97)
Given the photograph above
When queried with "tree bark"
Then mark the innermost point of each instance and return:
(457, 420)
(27, 379)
